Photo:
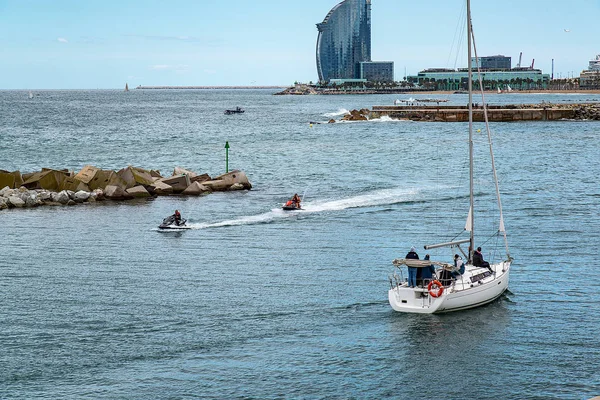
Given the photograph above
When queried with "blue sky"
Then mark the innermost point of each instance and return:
(89, 44)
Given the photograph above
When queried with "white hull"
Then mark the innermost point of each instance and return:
(175, 228)
(460, 295)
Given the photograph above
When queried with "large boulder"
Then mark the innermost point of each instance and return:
(195, 189)
(6, 191)
(161, 188)
(201, 178)
(115, 192)
(225, 181)
(182, 171)
(16, 201)
(10, 179)
(178, 183)
(3, 204)
(61, 197)
(31, 199)
(97, 194)
(81, 196)
(48, 179)
(45, 195)
(104, 178)
(138, 192)
(86, 174)
(356, 115)
(135, 176)
(74, 184)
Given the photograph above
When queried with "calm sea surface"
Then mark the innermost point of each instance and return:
(255, 303)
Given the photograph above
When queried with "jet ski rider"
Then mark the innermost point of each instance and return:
(177, 217)
(296, 200)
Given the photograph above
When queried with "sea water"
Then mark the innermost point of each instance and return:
(254, 302)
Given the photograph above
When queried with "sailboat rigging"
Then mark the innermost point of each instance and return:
(474, 284)
(126, 87)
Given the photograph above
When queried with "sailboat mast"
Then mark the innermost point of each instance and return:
(470, 80)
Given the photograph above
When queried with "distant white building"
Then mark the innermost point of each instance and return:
(595, 64)
(590, 78)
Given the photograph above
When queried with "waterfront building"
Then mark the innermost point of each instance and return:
(590, 78)
(492, 62)
(595, 64)
(344, 40)
(377, 71)
(450, 79)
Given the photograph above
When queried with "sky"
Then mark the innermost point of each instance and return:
(103, 44)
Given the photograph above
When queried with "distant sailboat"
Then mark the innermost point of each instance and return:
(126, 88)
(30, 95)
(508, 88)
(499, 91)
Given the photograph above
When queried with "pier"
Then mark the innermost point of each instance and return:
(205, 87)
(496, 113)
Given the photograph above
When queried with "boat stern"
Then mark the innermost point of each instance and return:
(414, 300)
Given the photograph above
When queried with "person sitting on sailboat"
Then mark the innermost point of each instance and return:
(478, 260)
(459, 266)
(412, 271)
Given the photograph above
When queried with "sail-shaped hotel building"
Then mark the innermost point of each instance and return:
(344, 45)
(344, 40)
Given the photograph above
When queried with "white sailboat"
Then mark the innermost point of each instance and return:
(499, 91)
(30, 95)
(477, 285)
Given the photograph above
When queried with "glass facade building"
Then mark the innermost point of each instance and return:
(377, 71)
(344, 40)
(492, 62)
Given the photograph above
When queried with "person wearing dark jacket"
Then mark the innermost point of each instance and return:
(425, 274)
(412, 271)
(478, 260)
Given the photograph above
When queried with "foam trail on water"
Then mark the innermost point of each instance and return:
(267, 217)
(376, 198)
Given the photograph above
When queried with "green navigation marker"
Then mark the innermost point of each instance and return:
(226, 157)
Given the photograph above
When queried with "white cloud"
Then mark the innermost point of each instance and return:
(62, 40)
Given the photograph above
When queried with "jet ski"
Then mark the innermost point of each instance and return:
(290, 206)
(169, 223)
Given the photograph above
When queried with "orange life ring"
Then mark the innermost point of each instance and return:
(438, 292)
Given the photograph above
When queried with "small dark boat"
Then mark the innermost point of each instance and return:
(237, 110)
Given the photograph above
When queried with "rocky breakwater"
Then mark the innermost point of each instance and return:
(587, 111)
(63, 187)
(354, 115)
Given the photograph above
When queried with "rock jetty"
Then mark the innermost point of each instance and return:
(63, 187)
(299, 89)
(496, 113)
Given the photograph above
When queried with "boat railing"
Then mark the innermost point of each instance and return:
(396, 280)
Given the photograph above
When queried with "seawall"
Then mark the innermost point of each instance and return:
(499, 113)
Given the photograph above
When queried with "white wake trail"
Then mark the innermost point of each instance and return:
(373, 199)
